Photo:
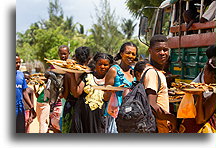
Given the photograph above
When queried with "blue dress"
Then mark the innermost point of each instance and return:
(20, 111)
(119, 80)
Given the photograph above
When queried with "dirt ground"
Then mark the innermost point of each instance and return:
(34, 126)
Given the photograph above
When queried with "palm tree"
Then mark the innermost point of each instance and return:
(136, 7)
(128, 28)
(105, 31)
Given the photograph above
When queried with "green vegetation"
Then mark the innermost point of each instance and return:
(136, 7)
(42, 39)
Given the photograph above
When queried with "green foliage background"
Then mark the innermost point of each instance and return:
(42, 39)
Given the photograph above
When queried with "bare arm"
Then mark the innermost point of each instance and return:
(158, 111)
(30, 92)
(77, 85)
(199, 109)
(27, 99)
(109, 80)
(66, 85)
(189, 24)
(205, 109)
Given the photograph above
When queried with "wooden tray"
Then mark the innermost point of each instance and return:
(71, 70)
(174, 100)
(109, 88)
(193, 89)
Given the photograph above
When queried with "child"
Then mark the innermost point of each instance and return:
(88, 115)
(138, 69)
(43, 107)
(57, 106)
(190, 16)
(28, 116)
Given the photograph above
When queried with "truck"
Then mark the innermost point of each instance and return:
(187, 50)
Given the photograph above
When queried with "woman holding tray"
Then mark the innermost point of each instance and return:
(88, 113)
(119, 75)
(205, 102)
(82, 56)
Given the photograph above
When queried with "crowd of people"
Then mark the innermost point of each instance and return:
(78, 109)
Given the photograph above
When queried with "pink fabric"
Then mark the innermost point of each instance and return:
(43, 111)
(27, 126)
(55, 117)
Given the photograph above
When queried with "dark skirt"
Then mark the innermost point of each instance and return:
(20, 119)
(85, 120)
(190, 126)
(68, 111)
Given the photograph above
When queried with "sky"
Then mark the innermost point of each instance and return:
(82, 11)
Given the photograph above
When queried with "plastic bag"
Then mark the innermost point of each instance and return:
(112, 107)
(187, 108)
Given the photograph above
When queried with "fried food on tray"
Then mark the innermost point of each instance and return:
(37, 75)
(194, 85)
(175, 94)
(37, 78)
(70, 61)
(36, 81)
(175, 98)
(69, 64)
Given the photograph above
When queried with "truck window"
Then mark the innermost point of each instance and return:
(163, 22)
(166, 22)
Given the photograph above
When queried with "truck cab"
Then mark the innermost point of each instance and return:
(187, 46)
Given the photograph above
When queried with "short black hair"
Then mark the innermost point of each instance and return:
(190, 14)
(140, 66)
(211, 51)
(122, 49)
(26, 72)
(157, 38)
(82, 54)
(17, 55)
(64, 46)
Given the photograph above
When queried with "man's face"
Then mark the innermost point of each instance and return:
(18, 62)
(63, 54)
(159, 52)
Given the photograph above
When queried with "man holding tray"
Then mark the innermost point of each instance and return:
(55, 115)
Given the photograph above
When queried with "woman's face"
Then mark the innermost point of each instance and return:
(129, 55)
(102, 66)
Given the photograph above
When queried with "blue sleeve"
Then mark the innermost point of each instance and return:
(24, 85)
